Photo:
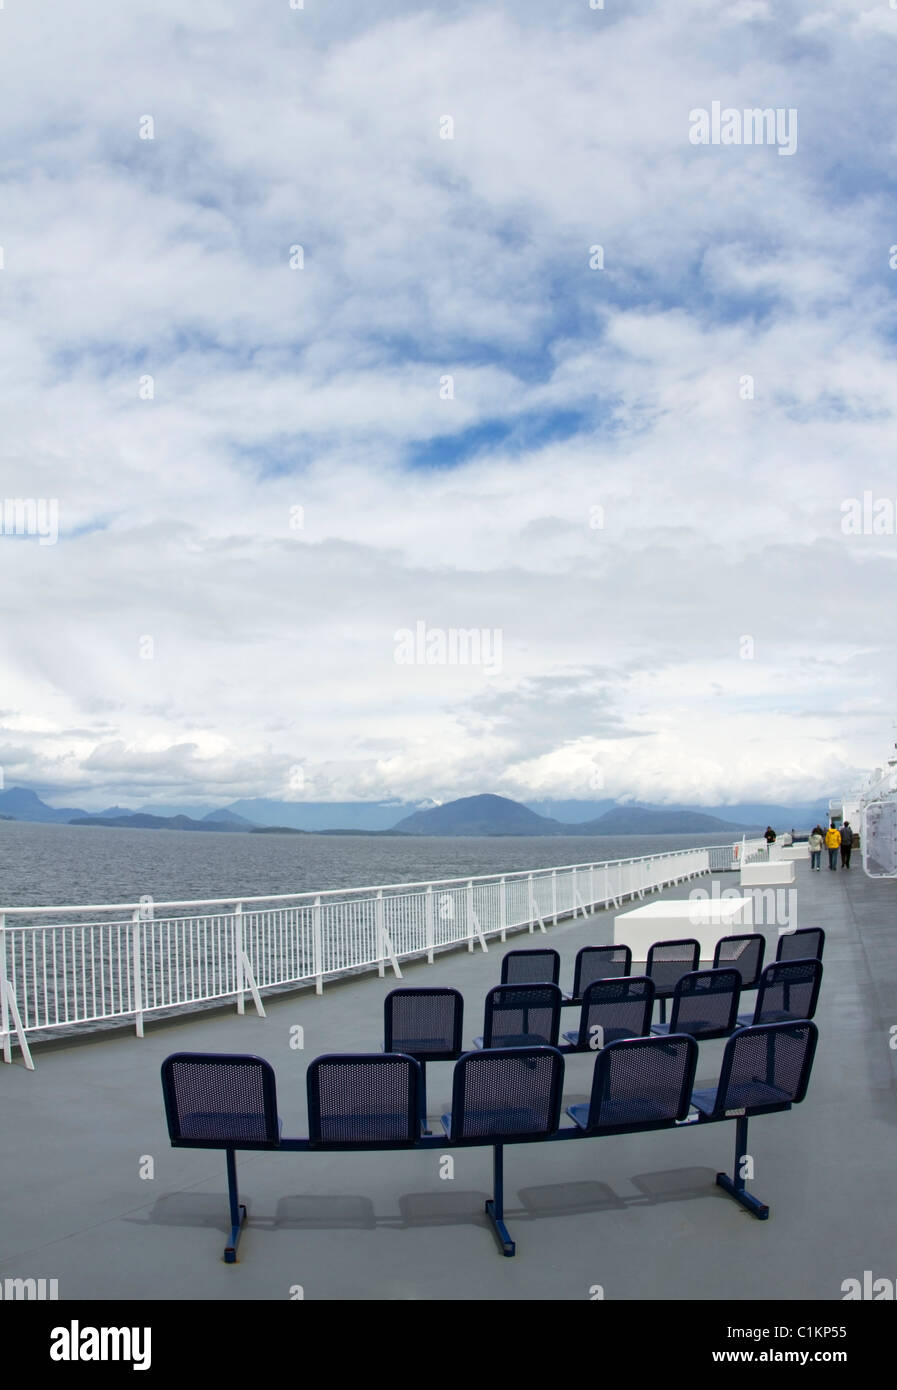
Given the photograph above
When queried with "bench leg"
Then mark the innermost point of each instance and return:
(423, 1097)
(495, 1207)
(237, 1210)
(735, 1186)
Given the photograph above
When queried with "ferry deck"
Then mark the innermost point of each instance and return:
(623, 1218)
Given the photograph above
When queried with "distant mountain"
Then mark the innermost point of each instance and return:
(497, 815)
(223, 817)
(196, 811)
(740, 813)
(480, 815)
(7, 817)
(323, 815)
(22, 804)
(634, 820)
(140, 821)
(570, 812)
(372, 833)
(277, 830)
(291, 830)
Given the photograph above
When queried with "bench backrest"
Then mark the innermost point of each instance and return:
(788, 988)
(534, 967)
(220, 1100)
(600, 963)
(766, 1065)
(614, 1009)
(643, 1082)
(530, 1013)
(668, 961)
(745, 953)
(424, 1023)
(705, 1003)
(363, 1099)
(507, 1093)
(803, 944)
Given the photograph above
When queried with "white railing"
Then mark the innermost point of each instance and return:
(753, 851)
(130, 959)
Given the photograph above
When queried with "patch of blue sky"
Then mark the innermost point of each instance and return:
(530, 431)
(756, 305)
(829, 406)
(187, 167)
(86, 528)
(284, 455)
(279, 457)
(643, 288)
(234, 350)
(104, 358)
(565, 314)
(115, 357)
(867, 191)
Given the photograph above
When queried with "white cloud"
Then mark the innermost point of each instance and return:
(622, 515)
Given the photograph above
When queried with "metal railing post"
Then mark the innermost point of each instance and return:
(554, 895)
(245, 974)
(429, 928)
(535, 914)
(4, 1001)
(137, 968)
(317, 946)
(470, 914)
(10, 1005)
(381, 943)
(503, 907)
(238, 948)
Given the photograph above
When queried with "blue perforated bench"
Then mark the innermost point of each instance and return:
(536, 966)
(613, 1009)
(221, 1102)
(789, 989)
(372, 1101)
(426, 1024)
(521, 1016)
(705, 1004)
(598, 963)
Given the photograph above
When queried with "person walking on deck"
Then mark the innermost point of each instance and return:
(832, 841)
(846, 844)
(815, 846)
(770, 836)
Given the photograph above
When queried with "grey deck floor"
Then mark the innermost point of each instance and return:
(639, 1216)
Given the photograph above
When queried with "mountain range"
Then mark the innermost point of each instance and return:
(140, 820)
(497, 815)
(19, 803)
(472, 815)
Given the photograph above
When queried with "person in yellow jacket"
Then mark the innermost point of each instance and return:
(832, 843)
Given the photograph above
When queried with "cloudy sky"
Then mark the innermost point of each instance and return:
(426, 414)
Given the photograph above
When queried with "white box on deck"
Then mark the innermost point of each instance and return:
(786, 852)
(705, 919)
(758, 875)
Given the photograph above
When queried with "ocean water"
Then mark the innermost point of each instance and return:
(47, 865)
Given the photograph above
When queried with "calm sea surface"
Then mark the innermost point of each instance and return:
(46, 865)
